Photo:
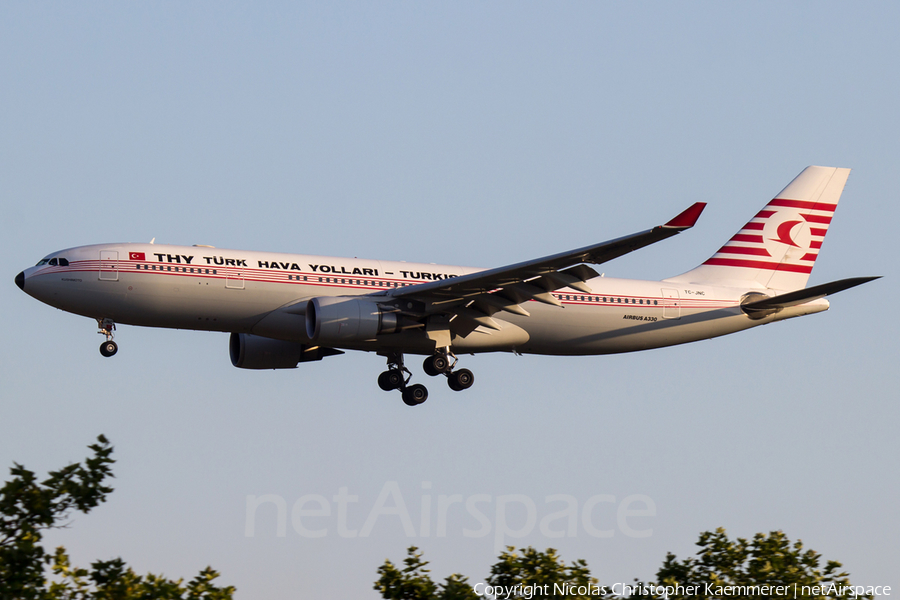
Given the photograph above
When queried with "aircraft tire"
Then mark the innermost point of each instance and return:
(435, 365)
(461, 380)
(390, 380)
(415, 394)
(109, 348)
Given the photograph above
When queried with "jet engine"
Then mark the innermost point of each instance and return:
(256, 352)
(336, 319)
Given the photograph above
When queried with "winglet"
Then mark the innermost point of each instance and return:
(687, 218)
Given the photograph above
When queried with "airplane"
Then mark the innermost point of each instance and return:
(285, 309)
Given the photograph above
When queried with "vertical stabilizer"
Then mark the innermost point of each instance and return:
(778, 247)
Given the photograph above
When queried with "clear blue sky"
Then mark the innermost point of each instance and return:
(464, 133)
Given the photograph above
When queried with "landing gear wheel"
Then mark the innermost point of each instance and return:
(107, 327)
(460, 380)
(415, 394)
(436, 364)
(390, 380)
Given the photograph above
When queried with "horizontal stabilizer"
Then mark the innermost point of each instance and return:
(806, 295)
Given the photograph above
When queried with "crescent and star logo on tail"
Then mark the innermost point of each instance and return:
(787, 235)
(784, 233)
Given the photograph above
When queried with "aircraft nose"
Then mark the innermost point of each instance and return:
(20, 280)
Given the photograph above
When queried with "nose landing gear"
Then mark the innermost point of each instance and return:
(107, 327)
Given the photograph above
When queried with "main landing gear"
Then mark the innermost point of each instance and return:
(107, 327)
(398, 376)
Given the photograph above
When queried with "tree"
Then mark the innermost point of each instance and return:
(529, 567)
(413, 582)
(29, 507)
(723, 568)
(544, 573)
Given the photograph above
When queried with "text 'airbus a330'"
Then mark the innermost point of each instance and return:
(285, 309)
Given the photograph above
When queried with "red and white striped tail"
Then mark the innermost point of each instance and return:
(779, 246)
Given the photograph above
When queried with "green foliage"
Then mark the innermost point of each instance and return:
(765, 560)
(722, 568)
(29, 507)
(544, 570)
(113, 580)
(413, 582)
(526, 567)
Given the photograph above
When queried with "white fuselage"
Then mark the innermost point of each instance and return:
(210, 289)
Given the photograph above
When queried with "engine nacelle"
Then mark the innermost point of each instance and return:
(336, 319)
(256, 352)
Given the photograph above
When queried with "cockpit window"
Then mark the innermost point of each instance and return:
(53, 262)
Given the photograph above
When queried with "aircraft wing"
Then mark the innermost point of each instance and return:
(472, 299)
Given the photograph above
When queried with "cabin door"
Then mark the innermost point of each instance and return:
(109, 265)
(671, 304)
